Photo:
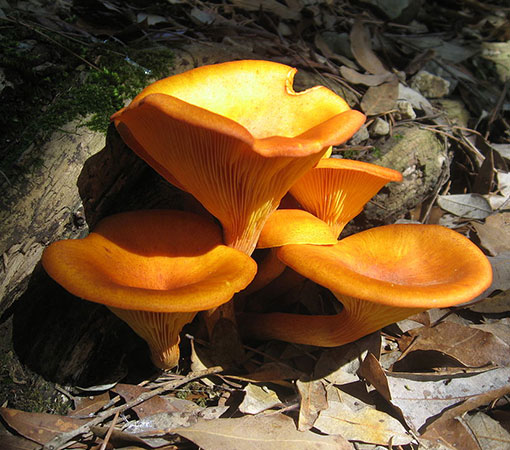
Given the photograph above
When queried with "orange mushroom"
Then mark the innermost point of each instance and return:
(236, 136)
(336, 190)
(381, 276)
(155, 270)
(294, 226)
(284, 227)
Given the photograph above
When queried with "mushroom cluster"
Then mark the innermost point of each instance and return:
(238, 138)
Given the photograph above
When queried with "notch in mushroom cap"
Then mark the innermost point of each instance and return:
(236, 136)
(336, 190)
(381, 276)
(155, 270)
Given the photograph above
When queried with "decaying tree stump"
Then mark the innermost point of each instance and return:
(41, 205)
(422, 159)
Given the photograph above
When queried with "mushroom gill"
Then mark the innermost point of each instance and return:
(236, 136)
(336, 190)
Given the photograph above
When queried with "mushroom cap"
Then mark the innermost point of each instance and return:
(155, 260)
(294, 226)
(257, 95)
(236, 136)
(404, 265)
(336, 190)
(283, 227)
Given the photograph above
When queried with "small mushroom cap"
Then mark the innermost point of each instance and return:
(236, 136)
(404, 265)
(336, 190)
(294, 226)
(158, 261)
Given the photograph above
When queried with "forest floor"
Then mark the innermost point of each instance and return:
(439, 380)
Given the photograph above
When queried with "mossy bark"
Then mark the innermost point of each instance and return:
(422, 158)
(67, 186)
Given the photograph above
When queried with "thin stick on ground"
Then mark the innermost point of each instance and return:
(110, 431)
(62, 439)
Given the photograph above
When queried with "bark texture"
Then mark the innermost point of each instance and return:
(423, 161)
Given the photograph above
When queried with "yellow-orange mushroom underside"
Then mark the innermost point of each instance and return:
(381, 276)
(154, 269)
(336, 190)
(284, 227)
(236, 136)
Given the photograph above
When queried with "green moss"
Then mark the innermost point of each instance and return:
(198, 393)
(51, 84)
(350, 154)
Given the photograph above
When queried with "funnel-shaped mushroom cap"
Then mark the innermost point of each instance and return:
(336, 190)
(381, 276)
(294, 226)
(404, 265)
(236, 136)
(284, 227)
(147, 266)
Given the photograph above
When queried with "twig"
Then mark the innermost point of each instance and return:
(496, 109)
(62, 439)
(36, 30)
(6, 178)
(110, 431)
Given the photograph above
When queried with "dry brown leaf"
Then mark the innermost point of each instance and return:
(490, 434)
(313, 401)
(470, 404)
(365, 425)
(503, 418)
(362, 49)
(500, 328)
(340, 365)
(380, 99)
(372, 371)
(258, 399)
(452, 433)
(258, 433)
(90, 405)
(484, 179)
(17, 443)
(471, 347)
(162, 423)
(352, 76)
(39, 427)
(272, 6)
(121, 439)
(494, 234)
(272, 372)
(420, 401)
(154, 405)
(500, 272)
(498, 304)
(423, 398)
(468, 206)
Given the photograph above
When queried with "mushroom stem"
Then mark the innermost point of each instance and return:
(159, 330)
(358, 319)
(269, 268)
(266, 297)
(212, 316)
